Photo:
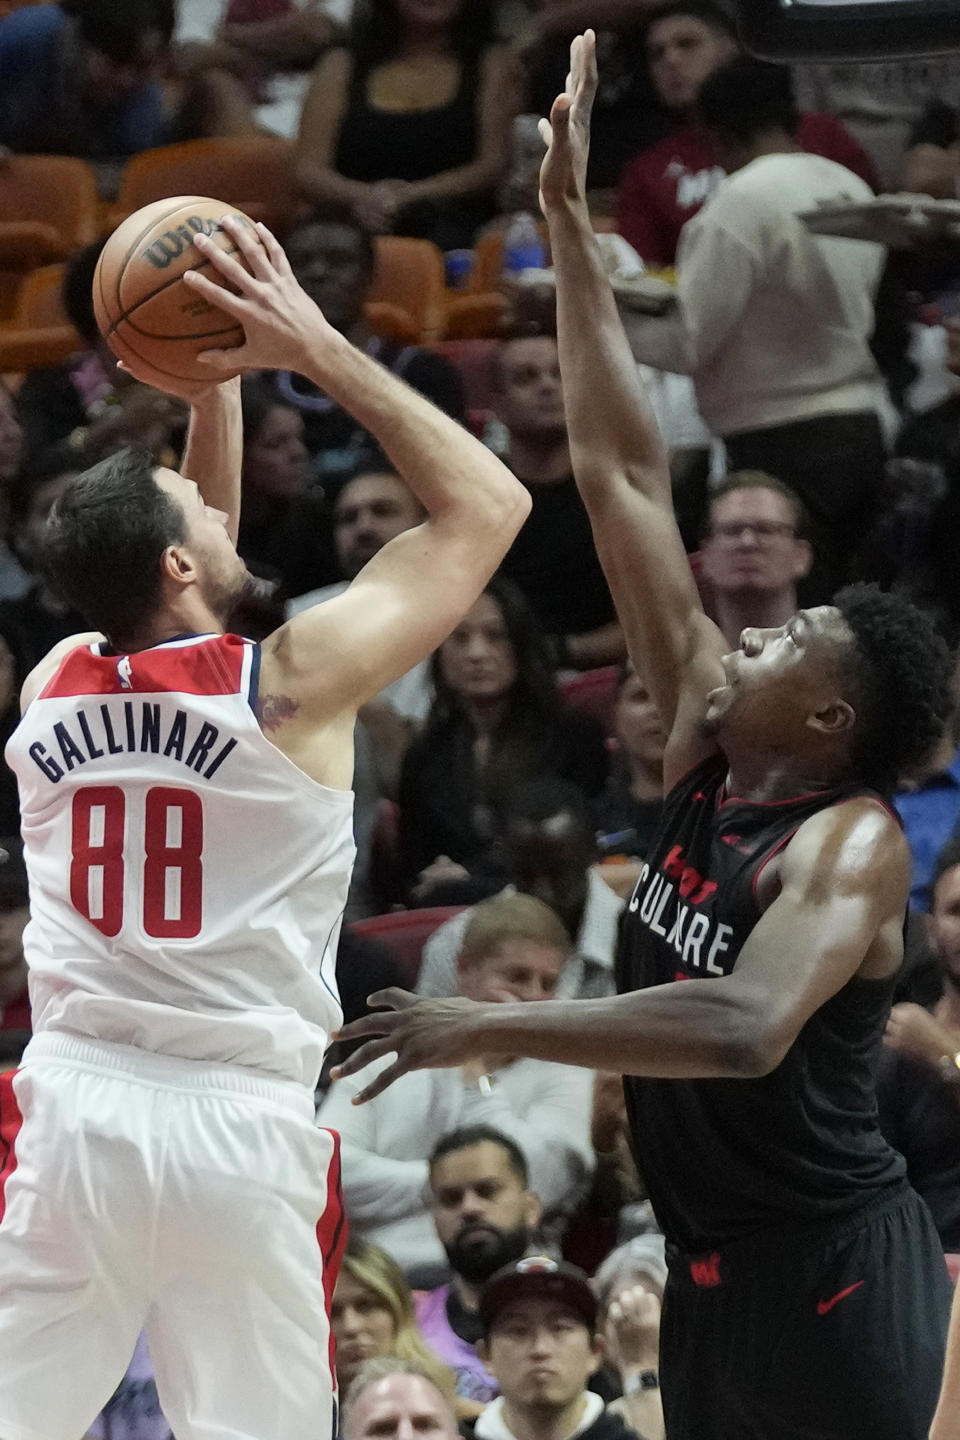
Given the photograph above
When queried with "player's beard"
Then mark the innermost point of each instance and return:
(225, 591)
(482, 1250)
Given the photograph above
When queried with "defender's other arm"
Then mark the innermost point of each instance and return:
(844, 880)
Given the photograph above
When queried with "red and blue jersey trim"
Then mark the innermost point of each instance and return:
(192, 665)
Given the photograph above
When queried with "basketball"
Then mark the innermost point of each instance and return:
(145, 312)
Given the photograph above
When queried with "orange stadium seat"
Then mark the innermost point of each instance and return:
(480, 310)
(39, 332)
(406, 932)
(409, 275)
(48, 208)
(253, 172)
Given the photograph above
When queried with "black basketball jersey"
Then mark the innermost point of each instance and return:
(725, 1158)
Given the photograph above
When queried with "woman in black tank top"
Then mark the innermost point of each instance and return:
(409, 125)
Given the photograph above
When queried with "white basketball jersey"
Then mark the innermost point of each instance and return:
(187, 880)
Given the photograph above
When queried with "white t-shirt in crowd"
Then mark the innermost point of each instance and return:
(773, 322)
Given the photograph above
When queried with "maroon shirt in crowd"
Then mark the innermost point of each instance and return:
(668, 183)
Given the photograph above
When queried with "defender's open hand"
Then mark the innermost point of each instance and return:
(426, 1035)
(563, 174)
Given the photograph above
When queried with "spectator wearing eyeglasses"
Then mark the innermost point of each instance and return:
(754, 552)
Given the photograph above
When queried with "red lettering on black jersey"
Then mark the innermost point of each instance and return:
(706, 1272)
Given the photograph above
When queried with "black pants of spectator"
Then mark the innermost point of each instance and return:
(831, 1331)
(835, 464)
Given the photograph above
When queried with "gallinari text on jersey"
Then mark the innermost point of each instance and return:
(116, 727)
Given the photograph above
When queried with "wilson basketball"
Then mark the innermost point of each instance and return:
(145, 312)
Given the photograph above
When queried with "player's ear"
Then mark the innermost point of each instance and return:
(177, 565)
(832, 718)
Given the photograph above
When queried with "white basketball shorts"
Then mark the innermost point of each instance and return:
(200, 1204)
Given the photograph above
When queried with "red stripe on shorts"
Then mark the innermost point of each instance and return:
(10, 1122)
(332, 1230)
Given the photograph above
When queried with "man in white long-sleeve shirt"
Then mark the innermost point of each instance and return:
(513, 949)
(774, 322)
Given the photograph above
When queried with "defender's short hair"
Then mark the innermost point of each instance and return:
(901, 677)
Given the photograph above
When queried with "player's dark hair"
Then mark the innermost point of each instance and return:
(104, 541)
(746, 98)
(702, 10)
(466, 1136)
(76, 291)
(117, 27)
(901, 684)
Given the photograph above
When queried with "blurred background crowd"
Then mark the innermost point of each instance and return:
(808, 391)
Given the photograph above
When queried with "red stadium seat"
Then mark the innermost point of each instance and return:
(406, 932)
(594, 692)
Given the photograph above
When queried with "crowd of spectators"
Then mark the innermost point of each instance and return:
(515, 779)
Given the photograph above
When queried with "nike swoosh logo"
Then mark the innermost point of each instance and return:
(825, 1306)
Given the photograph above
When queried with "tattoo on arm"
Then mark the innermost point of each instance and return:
(273, 710)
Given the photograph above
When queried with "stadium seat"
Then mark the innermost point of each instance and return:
(480, 309)
(253, 172)
(409, 274)
(406, 932)
(391, 322)
(593, 692)
(38, 333)
(48, 208)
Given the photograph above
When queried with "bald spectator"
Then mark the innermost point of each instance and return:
(514, 948)
(754, 553)
(394, 1399)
